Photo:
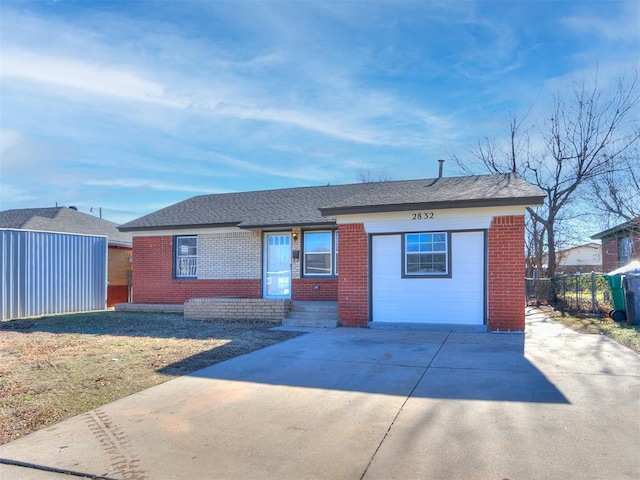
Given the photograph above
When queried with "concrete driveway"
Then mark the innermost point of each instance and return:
(368, 404)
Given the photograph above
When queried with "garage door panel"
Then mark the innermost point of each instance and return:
(456, 300)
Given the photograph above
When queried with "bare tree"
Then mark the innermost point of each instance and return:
(618, 190)
(585, 133)
(534, 246)
(367, 175)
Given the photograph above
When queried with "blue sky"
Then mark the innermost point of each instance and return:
(131, 106)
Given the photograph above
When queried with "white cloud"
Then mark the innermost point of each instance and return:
(622, 26)
(13, 194)
(9, 138)
(251, 168)
(96, 78)
(20, 153)
(145, 184)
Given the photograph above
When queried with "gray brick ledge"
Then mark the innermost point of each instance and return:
(150, 307)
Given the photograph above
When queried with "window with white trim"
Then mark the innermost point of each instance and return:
(186, 257)
(320, 253)
(426, 254)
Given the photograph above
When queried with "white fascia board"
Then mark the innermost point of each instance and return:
(430, 220)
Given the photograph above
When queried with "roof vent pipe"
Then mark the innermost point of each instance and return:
(441, 162)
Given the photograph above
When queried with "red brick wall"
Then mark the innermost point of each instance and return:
(117, 294)
(353, 279)
(610, 252)
(153, 280)
(304, 289)
(506, 265)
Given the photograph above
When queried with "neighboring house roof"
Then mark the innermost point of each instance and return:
(589, 254)
(307, 206)
(623, 229)
(63, 219)
(586, 246)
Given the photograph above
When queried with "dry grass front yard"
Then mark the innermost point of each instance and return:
(57, 367)
(627, 335)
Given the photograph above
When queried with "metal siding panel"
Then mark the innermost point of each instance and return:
(46, 273)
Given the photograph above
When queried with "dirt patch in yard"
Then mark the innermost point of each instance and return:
(56, 367)
(621, 332)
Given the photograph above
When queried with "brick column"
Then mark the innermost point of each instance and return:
(506, 270)
(353, 276)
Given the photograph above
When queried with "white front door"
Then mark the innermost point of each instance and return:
(277, 265)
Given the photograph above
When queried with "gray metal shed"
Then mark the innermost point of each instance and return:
(46, 273)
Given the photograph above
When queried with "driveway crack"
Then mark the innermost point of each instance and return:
(386, 434)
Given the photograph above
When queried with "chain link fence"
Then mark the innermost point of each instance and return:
(578, 293)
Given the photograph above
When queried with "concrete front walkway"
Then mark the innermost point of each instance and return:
(369, 404)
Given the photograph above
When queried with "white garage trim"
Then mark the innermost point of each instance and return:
(460, 299)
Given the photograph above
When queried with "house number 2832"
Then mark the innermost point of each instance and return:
(422, 216)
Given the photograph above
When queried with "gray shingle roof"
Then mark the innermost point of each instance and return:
(306, 206)
(446, 192)
(63, 219)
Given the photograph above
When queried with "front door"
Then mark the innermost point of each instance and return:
(277, 265)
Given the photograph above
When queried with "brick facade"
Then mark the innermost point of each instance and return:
(315, 289)
(353, 279)
(229, 256)
(153, 280)
(506, 265)
(611, 251)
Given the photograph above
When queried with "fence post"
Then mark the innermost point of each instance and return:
(594, 308)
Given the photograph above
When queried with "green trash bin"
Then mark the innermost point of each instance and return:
(619, 312)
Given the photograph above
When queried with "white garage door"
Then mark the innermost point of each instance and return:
(459, 299)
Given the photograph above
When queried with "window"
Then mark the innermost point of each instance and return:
(186, 256)
(426, 255)
(320, 253)
(625, 251)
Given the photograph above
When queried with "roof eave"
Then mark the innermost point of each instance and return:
(614, 230)
(116, 243)
(493, 202)
(325, 223)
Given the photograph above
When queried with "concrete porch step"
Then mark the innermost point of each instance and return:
(310, 322)
(315, 307)
(312, 314)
